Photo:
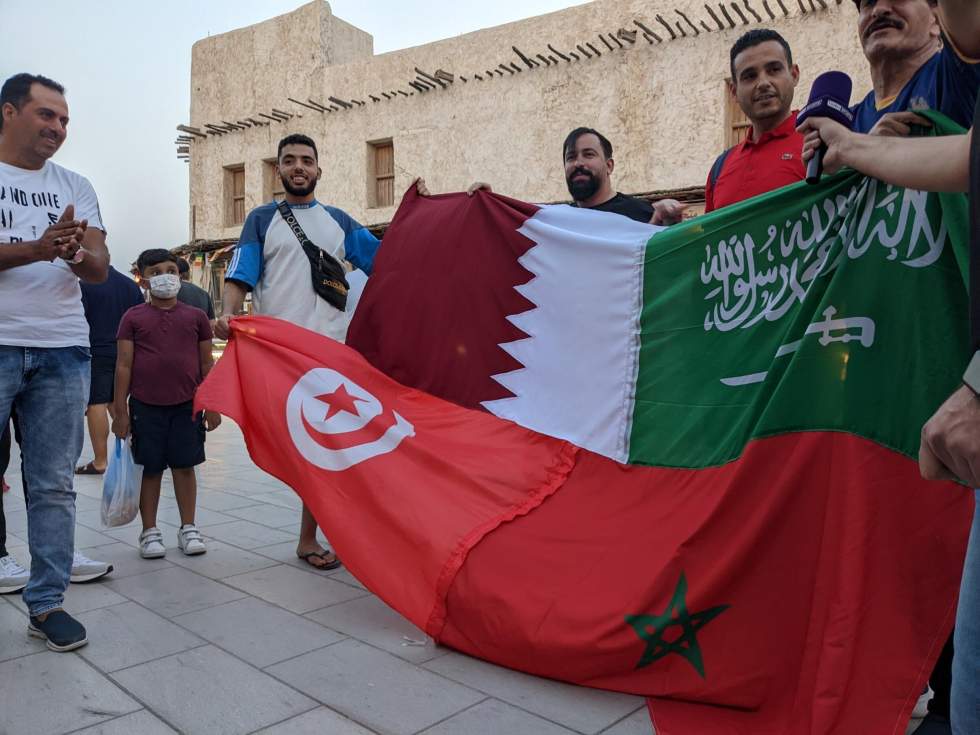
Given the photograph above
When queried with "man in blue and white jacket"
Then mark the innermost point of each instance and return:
(270, 262)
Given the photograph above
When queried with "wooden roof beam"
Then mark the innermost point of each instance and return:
(687, 20)
(558, 53)
(193, 131)
(758, 18)
(724, 11)
(430, 78)
(714, 17)
(647, 33)
(665, 24)
(305, 104)
(520, 54)
(628, 36)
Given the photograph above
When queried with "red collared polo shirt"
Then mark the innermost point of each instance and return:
(755, 167)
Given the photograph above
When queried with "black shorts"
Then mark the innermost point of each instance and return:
(166, 436)
(103, 379)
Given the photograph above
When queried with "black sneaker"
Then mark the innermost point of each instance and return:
(60, 630)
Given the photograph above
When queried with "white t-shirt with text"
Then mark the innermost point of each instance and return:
(41, 303)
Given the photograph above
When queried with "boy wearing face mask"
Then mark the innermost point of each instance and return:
(164, 352)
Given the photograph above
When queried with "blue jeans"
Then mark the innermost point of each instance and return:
(49, 388)
(965, 708)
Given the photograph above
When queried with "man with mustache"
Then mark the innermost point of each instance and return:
(270, 262)
(916, 63)
(764, 79)
(921, 57)
(588, 157)
(44, 338)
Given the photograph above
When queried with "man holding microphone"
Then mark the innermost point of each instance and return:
(950, 446)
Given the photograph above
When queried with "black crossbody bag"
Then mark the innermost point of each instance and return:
(329, 275)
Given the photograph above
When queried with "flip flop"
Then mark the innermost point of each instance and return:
(89, 469)
(329, 559)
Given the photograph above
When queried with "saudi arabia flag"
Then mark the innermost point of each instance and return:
(677, 463)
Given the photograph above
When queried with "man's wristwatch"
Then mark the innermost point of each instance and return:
(971, 378)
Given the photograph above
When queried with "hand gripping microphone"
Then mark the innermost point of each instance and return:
(830, 97)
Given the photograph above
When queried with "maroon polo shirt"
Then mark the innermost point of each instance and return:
(755, 167)
(166, 354)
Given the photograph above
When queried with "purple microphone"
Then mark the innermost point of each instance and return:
(829, 97)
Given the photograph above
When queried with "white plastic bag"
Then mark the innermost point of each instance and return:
(121, 486)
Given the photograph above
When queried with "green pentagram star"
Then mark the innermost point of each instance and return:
(652, 628)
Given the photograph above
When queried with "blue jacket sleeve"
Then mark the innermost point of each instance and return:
(246, 263)
(360, 246)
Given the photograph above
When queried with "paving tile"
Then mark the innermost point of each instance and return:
(93, 519)
(126, 561)
(174, 591)
(81, 598)
(86, 538)
(246, 488)
(221, 561)
(248, 535)
(285, 498)
(343, 575)
(16, 519)
(370, 620)
(16, 542)
(74, 695)
(320, 721)
(375, 688)
(269, 515)
(85, 502)
(260, 633)
(579, 708)
(492, 717)
(209, 692)
(637, 723)
(140, 723)
(293, 589)
(14, 641)
(128, 634)
(202, 517)
(221, 501)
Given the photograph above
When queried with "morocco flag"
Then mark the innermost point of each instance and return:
(676, 463)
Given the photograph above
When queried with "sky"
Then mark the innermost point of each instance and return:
(126, 69)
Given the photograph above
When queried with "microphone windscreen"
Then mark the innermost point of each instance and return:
(834, 84)
(830, 97)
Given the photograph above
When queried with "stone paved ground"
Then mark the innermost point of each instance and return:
(248, 639)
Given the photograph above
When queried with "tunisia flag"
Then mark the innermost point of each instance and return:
(403, 484)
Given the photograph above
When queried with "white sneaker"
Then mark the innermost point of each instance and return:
(151, 544)
(189, 540)
(84, 569)
(922, 706)
(13, 577)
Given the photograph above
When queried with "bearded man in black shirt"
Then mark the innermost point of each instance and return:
(589, 164)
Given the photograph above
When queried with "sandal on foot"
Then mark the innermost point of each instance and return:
(328, 560)
(89, 469)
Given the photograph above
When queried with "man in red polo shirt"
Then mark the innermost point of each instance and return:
(764, 78)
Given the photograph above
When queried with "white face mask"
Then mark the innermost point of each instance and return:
(165, 286)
